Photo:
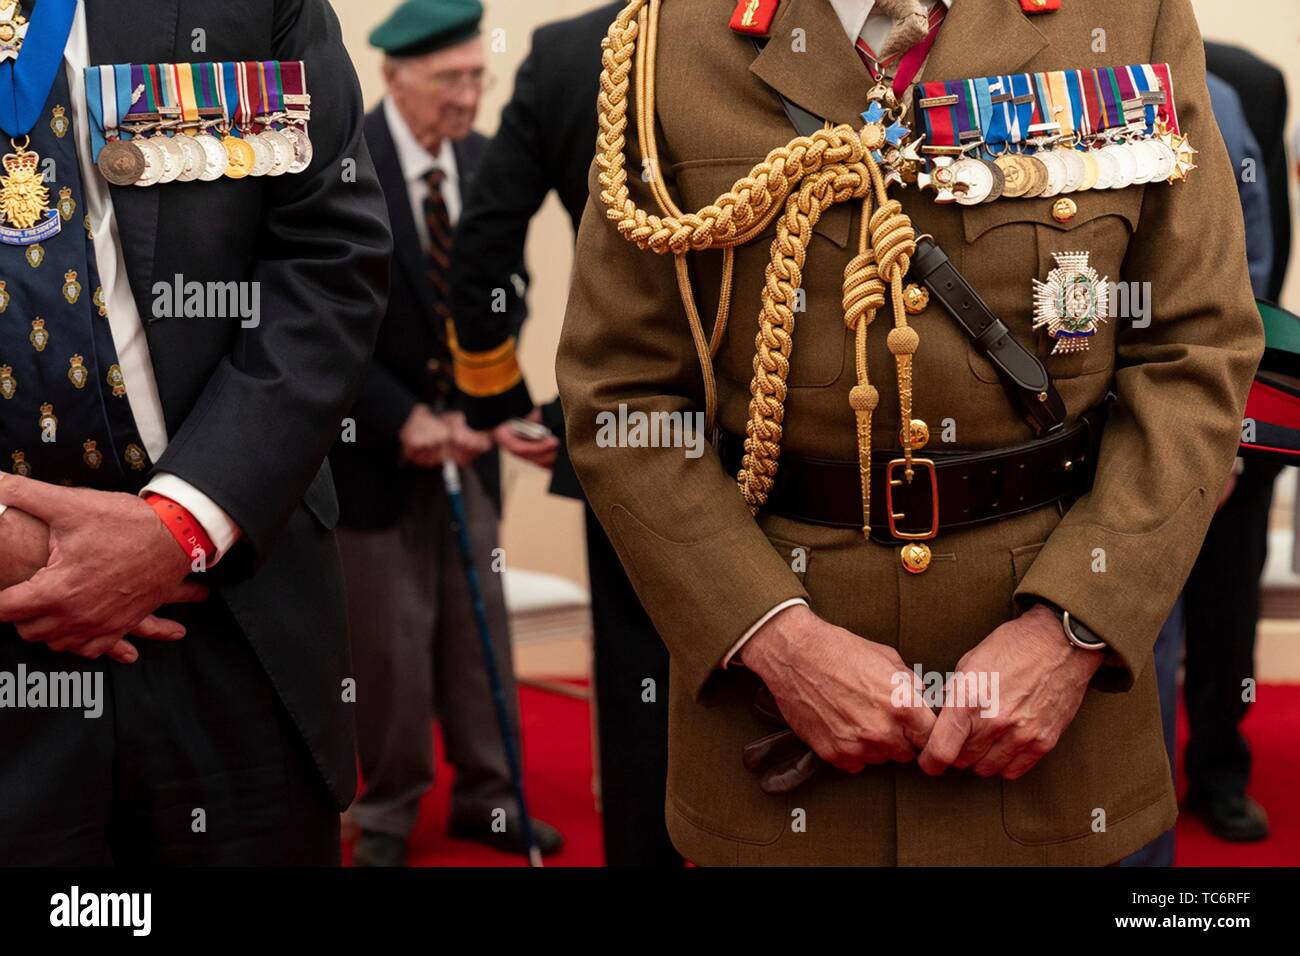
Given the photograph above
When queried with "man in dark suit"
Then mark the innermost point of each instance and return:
(546, 142)
(1222, 594)
(414, 634)
(221, 728)
(1262, 90)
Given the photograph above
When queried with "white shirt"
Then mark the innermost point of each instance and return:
(859, 18)
(417, 162)
(123, 316)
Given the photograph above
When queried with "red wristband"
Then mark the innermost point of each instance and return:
(189, 534)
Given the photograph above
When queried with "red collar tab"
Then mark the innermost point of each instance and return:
(754, 17)
(1040, 6)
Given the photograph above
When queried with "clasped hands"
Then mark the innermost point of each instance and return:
(429, 438)
(83, 570)
(838, 693)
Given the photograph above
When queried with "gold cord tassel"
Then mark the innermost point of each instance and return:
(864, 294)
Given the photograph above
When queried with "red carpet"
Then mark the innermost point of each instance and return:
(557, 743)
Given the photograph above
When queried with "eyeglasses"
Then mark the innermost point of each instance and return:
(453, 81)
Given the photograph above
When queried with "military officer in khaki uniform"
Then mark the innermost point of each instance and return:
(794, 623)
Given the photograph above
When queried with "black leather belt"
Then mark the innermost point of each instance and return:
(948, 491)
(1023, 375)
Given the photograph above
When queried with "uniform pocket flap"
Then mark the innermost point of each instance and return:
(1089, 206)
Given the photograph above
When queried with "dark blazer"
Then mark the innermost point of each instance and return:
(546, 142)
(251, 413)
(1262, 90)
(411, 356)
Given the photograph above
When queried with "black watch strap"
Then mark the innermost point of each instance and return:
(1023, 375)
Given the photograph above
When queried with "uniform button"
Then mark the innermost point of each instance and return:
(915, 299)
(916, 558)
(1063, 210)
(433, 365)
(920, 434)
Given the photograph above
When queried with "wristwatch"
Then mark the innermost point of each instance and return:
(1079, 635)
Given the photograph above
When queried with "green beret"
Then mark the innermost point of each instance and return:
(422, 26)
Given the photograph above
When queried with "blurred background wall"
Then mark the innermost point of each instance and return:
(543, 532)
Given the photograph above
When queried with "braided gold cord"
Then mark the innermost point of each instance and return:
(864, 294)
(798, 182)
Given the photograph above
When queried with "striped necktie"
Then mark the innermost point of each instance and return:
(437, 221)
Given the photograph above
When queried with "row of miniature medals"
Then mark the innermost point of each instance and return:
(167, 151)
(1042, 167)
(1049, 166)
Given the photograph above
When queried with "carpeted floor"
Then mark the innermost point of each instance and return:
(558, 753)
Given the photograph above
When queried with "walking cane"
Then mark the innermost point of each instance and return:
(451, 479)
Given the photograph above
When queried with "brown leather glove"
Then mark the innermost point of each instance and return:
(781, 758)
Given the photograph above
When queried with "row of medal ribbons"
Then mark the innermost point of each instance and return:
(183, 122)
(1034, 135)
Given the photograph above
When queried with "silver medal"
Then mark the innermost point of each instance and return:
(1146, 162)
(281, 151)
(215, 157)
(153, 162)
(1107, 169)
(195, 158)
(302, 148)
(1056, 172)
(1076, 170)
(1166, 159)
(263, 159)
(977, 180)
(173, 158)
(1125, 165)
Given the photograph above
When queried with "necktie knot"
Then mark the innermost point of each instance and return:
(911, 24)
(435, 177)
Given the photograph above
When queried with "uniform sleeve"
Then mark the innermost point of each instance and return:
(700, 564)
(1120, 556)
(511, 184)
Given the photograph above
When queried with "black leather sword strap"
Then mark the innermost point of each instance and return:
(1023, 375)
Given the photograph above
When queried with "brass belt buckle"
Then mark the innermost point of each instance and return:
(891, 483)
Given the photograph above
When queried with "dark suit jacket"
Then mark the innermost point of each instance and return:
(251, 413)
(411, 355)
(546, 142)
(1262, 89)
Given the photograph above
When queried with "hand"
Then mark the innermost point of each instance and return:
(836, 690)
(111, 565)
(541, 452)
(26, 546)
(424, 438)
(466, 444)
(1041, 680)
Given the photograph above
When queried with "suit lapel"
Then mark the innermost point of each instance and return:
(978, 38)
(814, 73)
(407, 246)
(115, 37)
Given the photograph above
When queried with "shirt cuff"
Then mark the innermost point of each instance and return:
(735, 648)
(220, 527)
